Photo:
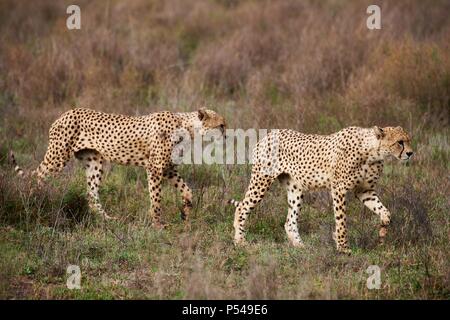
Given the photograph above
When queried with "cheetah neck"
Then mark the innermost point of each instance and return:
(373, 144)
(190, 121)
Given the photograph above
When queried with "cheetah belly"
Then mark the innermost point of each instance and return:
(307, 171)
(115, 148)
(312, 179)
(127, 153)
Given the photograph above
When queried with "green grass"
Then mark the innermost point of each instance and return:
(41, 234)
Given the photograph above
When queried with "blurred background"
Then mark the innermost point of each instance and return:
(308, 65)
(312, 66)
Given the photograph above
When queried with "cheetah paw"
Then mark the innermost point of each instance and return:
(159, 225)
(298, 244)
(382, 233)
(346, 251)
(240, 242)
(108, 217)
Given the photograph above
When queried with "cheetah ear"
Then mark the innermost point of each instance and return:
(379, 132)
(202, 115)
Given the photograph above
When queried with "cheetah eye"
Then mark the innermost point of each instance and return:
(400, 142)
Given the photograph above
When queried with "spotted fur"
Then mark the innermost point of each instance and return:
(146, 141)
(348, 160)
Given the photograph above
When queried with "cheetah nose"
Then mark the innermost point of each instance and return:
(409, 154)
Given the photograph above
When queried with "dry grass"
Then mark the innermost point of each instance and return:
(308, 65)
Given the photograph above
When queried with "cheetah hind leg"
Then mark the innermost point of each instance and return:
(259, 184)
(93, 163)
(55, 159)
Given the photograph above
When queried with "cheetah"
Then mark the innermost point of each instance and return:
(348, 160)
(147, 141)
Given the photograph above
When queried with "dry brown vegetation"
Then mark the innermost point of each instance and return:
(308, 65)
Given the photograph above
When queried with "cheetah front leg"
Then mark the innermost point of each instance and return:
(175, 180)
(154, 177)
(371, 200)
(295, 199)
(340, 235)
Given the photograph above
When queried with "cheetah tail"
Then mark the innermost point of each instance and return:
(234, 202)
(17, 169)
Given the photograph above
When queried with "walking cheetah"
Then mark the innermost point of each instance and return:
(146, 141)
(351, 159)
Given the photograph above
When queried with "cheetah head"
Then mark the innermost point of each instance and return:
(210, 122)
(395, 142)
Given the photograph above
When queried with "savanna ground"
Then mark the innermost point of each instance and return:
(308, 65)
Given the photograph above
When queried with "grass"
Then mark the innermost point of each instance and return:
(43, 234)
(305, 65)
